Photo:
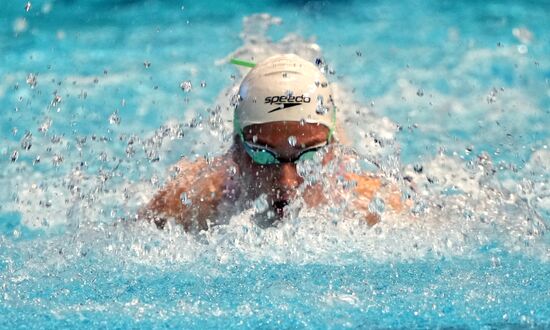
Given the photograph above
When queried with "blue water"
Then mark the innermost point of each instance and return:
(456, 94)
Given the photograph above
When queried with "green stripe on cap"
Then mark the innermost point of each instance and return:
(247, 64)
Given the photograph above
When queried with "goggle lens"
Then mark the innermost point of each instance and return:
(264, 156)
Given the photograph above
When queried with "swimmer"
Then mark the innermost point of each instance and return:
(285, 115)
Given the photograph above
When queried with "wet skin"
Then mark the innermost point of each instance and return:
(207, 186)
(278, 182)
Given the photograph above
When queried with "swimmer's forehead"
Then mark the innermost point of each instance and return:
(278, 133)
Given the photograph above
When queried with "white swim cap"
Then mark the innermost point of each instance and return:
(284, 88)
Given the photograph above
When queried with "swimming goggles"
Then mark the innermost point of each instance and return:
(263, 155)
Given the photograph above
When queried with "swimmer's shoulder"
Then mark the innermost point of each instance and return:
(193, 194)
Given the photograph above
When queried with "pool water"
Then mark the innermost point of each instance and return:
(100, 98)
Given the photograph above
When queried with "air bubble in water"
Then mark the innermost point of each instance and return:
(185, 200)
(186, 86)
(254, 138)
(28, 6)
(292, 140)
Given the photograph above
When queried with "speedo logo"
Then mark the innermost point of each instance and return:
(285, 102)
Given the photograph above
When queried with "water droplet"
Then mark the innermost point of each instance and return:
(45, 126)
(26, 142)
(186, 86)
(320, 109)
(377, 205)
(285, 74)
(56, 100)
(147, 64)
(289, 93)
(114, 118)
(358, 53)
(203, 83)
(420, 92)
(319, 62)
(324, 84)
(20, 25)
(57, 160)
(492, 97)
(235, 100)
(418, 168)
(302, 122)
(31, 80)
(28, 6)
(317, 83)
(292, 140)
(261, 204)
(185, 200)
(14, 155)
(255, 138)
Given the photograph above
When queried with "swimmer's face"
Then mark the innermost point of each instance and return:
(287, 142)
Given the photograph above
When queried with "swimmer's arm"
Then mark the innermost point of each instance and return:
(191, 198)
(368, 187)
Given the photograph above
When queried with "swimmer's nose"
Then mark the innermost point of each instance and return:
(288, 176)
